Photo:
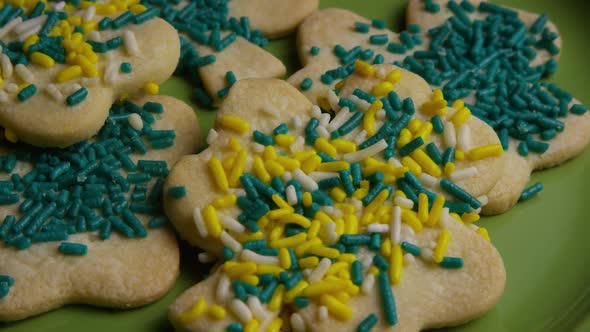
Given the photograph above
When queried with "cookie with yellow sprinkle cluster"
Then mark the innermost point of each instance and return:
(490, 56)
(354, 213)
(63, 65)
(85, 224)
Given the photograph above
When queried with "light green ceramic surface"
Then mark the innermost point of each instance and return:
(545, 242)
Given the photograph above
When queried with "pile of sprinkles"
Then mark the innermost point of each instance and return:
(488, 61)
(67, 35)
(322, 217)
(93, 186)
(205, 22)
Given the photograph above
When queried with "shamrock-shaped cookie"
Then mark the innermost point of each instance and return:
(352, 214)
(63, 65)
(222, 40)
(84, 224)
(491, 56)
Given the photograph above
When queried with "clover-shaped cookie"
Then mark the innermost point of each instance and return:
(222, 40)
(64, 65)
(339, 216)
(84, 224)
(490, 55)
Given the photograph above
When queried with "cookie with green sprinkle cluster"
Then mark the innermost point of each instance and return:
(85, 224)
(492, 57)
(349, 214)
(63, 65)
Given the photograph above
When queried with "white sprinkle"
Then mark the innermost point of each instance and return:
(322, 313)
(297, 122)
(235, 191)
(131, 43)
(380, 73)
(428, 180)
(407, 230)
(307, 273)
(320, 270)
(378, 228)
(28, 24)
(287, 176)
(291, 195)
(307, 182)
(368, 284)
(198, 219)
(445, 218)
(324, 119)
(408, 258)
(464, 137)
(3, 96)
(381, 114)
(256, 308)
(11, 87)
(230, 242)
(212, 136)
(206, 258)
(463, 174)
(297, 145)
(483, 199)
(403, 202)
(9, 26)
(223, 288)
(472, 226)
(449, 135)
(332, 236)
(363, 105)
(394, 161)
(90, 81)
(365, 153)
(357, 204)
(257, 148)
(367, 261)
(54, 92)
(59, 6)
(33, 30)
(111, 72)
(269, 110)
(93, 35)
(478, 210)
(341, 117)
(89, 14)
(319, 176)
(71, 88)
(250, 256)
(135, 121)
(352, 134)
(6, 66)
(396, 224)
(323, 132)
(316, 111)
(231, 224)
(241, 310)
(333, 100)
(360, 137)
(297, 323)
(427, 255)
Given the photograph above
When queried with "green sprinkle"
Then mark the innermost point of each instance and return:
(125, 67)
(357, 272)
(361, 27)
(234, 327)
(530, 191)
(378, 24)
(177, 192)
(314, 50)
(411, 248)
(77, 97)
(306, 84)
(523, 149)
(73, 249)
(459, 193)
(367, 324)
(578, 109)
(380, 262)
(27, 92)
(451, 262)
(411, 146)
(301, 302)
(261, 138)
(378, 39)
(387, 298)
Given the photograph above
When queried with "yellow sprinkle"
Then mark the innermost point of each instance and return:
(304, 247)
(461, 116)
(324, 146)
(459, 155)
(309, 262)
(263, 222)
(458, 104)
(346, 257)
(394, 76)
(385, 247)
(441, 246)
(89, 26)
(123, 96)
(449, 168)
(410, 218)
(434, 107)
(338, 194)
(336, 308)
(192, 314)
(236, 270)
(216, 312)
(492, 150)
(405, 136)
(396, 264)
(250, 279)
(284, 258)
(105, 10)
(333, 166)
(69, 73)
(234, 144)
(342, 296)
(10, 135)
(228, 162)
(303, 155)
(323, 287)
(291, 241)
(399, 193)
(344, 146)
(427, 164)
(218, 173)
(284, 140)
(280, 202)
(423, 207)
(382, 89)
(276, 232)
(237, 168)
(137, 9)
(30, 40)
(360, 193)
(314, 229)
(373, 270)
(275, 325)
(377, 201)
(424, 130)
(289, 164)
(151, 88)
(340, 84)
(211, 221)
(295, 218)
(484, 233)
(311, 164)
(324, 252)
(339, 226)
(251, 325)
(88, 68)
(412, 165)
(224, 202)
(234, 123)
(268, 269)
(307, 199)
(368, 218)
(295, 291)
(436, 210)
(365, 184)
(323, 103)
(414, 125)
(470, 217)
(456, 216)
(323, 217)
(276, 300)
(364, 69)
(259, 170)
(369, 118)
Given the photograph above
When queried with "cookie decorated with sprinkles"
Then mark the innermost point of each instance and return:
(492, 57)
(63, 65)
(348, 214)
(85, 224)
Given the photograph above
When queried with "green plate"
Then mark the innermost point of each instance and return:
(544, 241)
